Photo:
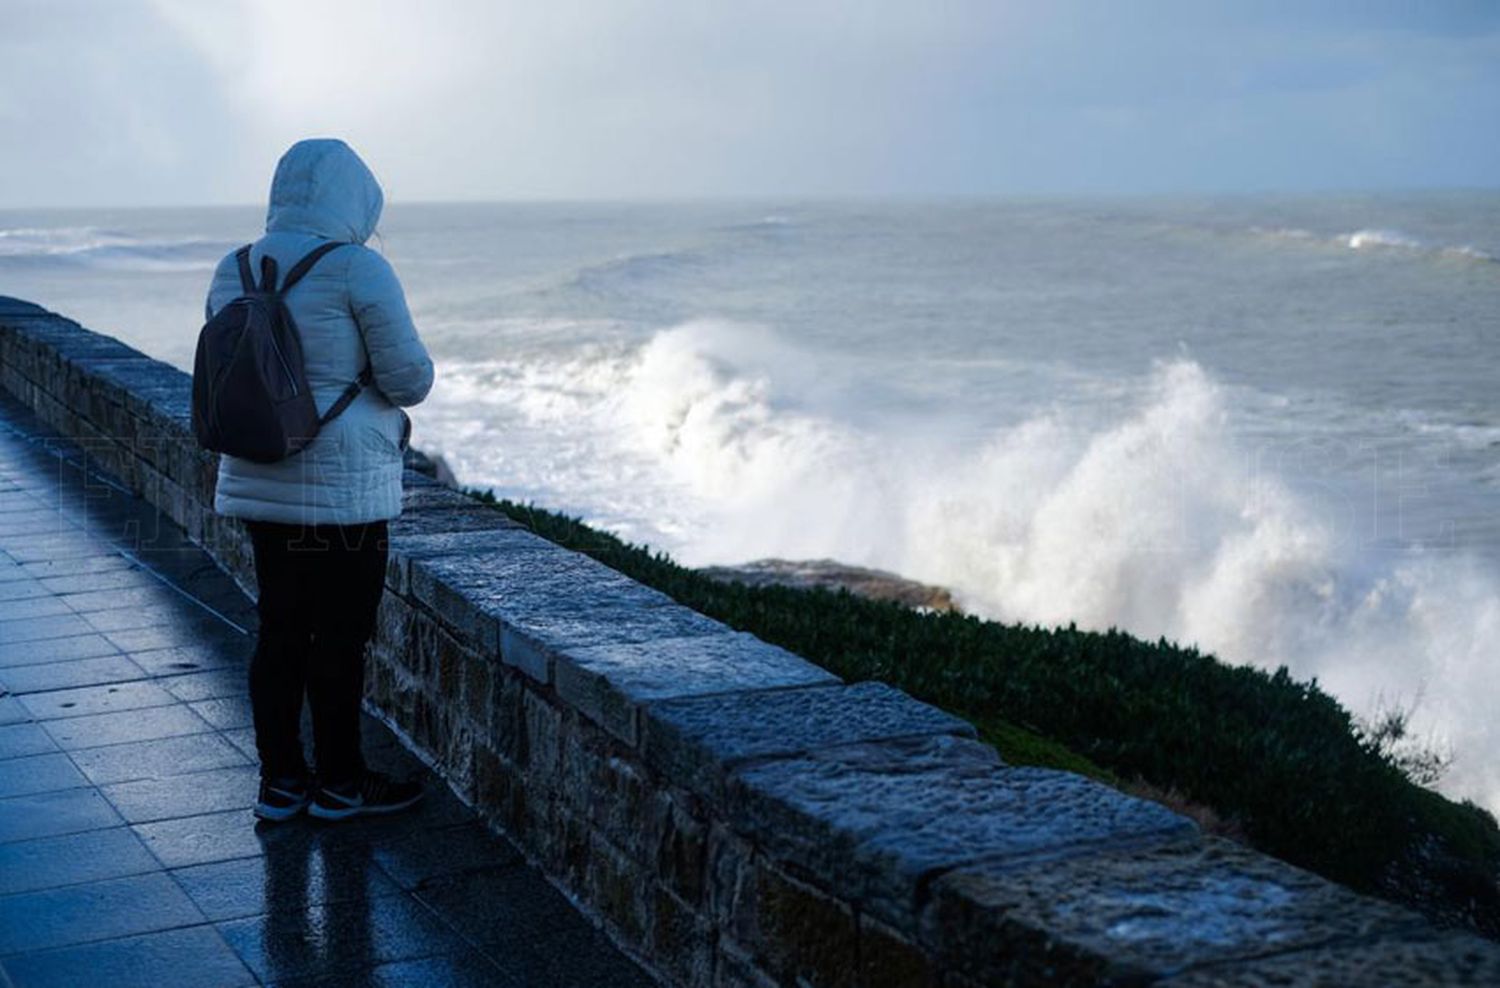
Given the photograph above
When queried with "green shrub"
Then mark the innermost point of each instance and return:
(1279, 758)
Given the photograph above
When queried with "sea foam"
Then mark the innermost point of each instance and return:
(99, 247)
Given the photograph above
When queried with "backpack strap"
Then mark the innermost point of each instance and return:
(306, 264)
(247, 279)
(268, 273)
(346, 396)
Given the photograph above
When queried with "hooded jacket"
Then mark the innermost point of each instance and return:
(350, 311)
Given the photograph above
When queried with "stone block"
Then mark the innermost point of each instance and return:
(396, 575)
(564, 847)
(472, 517)
(543, 735)
(612, 793)
(890, 959)
(680, 941)
(507, 724)
(455, 757)
(1139, 914)
(728, 865)
(681, 850)
(546, 599)
(476, 547)
(1425, 957)
(876, 819)
(502, 797)
(422, 495)
(478, 692)
(734, 968)
(394, 619)
(695, 741)
(610, 682)
(799, 934)
(452, 573)
(458, 609)
(619, 889)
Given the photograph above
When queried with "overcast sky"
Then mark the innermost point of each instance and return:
(131, 102)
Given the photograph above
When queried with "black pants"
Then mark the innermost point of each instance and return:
(319, 588)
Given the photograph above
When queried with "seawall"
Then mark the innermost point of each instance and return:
(731, 813)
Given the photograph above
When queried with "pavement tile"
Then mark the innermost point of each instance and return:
(102, 600)
(23, 630)
(123, 726)
(32, 522)
(16, 585)
(57, 650)
(227, 713)
(19, 740)
(96, 700)
(439, 810)
(13, 610)
(468, 969)
(221, 836)
(243, 738)
(421, 856)
(107, 561)
(191, 957)
(53, 546)
(141, 616)
(70, 674)
(89, 573)
(531, 928)
(44, 814)
(291, 874)
(47, 862)
(157, 759)
(205, 631)
(145, 800)
(25, 509)
(207, 685)
(324, 940)
(119, 907)
(191, 658)
(38, 773)
(11, 711)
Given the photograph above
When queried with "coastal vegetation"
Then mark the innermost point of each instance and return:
(1277, 760)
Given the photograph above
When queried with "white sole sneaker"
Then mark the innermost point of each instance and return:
(278, 814)
(354, 807)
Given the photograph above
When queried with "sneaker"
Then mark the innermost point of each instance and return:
(371, 793)
(281, 799)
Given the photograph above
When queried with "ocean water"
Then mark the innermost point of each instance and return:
(1268, 427)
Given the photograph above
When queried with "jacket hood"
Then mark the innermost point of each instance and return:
(322, 187)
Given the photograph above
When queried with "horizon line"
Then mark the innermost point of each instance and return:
(809, 198)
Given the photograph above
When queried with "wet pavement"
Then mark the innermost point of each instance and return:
(128, 853)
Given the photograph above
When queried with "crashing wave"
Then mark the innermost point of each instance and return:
(1373, 239)
(1156, 522)
(1366, 239)
(109, 249)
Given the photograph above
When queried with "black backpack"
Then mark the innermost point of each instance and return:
(251, 398)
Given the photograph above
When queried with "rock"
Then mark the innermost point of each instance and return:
(830, 574)
(430, 464)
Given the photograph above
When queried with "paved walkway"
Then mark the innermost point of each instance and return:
(128, 854)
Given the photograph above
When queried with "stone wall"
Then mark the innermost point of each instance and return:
(733, 814)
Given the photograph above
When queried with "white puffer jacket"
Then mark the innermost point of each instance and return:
(349, 306)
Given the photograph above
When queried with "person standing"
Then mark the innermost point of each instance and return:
(318, 519)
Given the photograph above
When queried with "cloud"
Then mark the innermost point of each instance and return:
(182, 101)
